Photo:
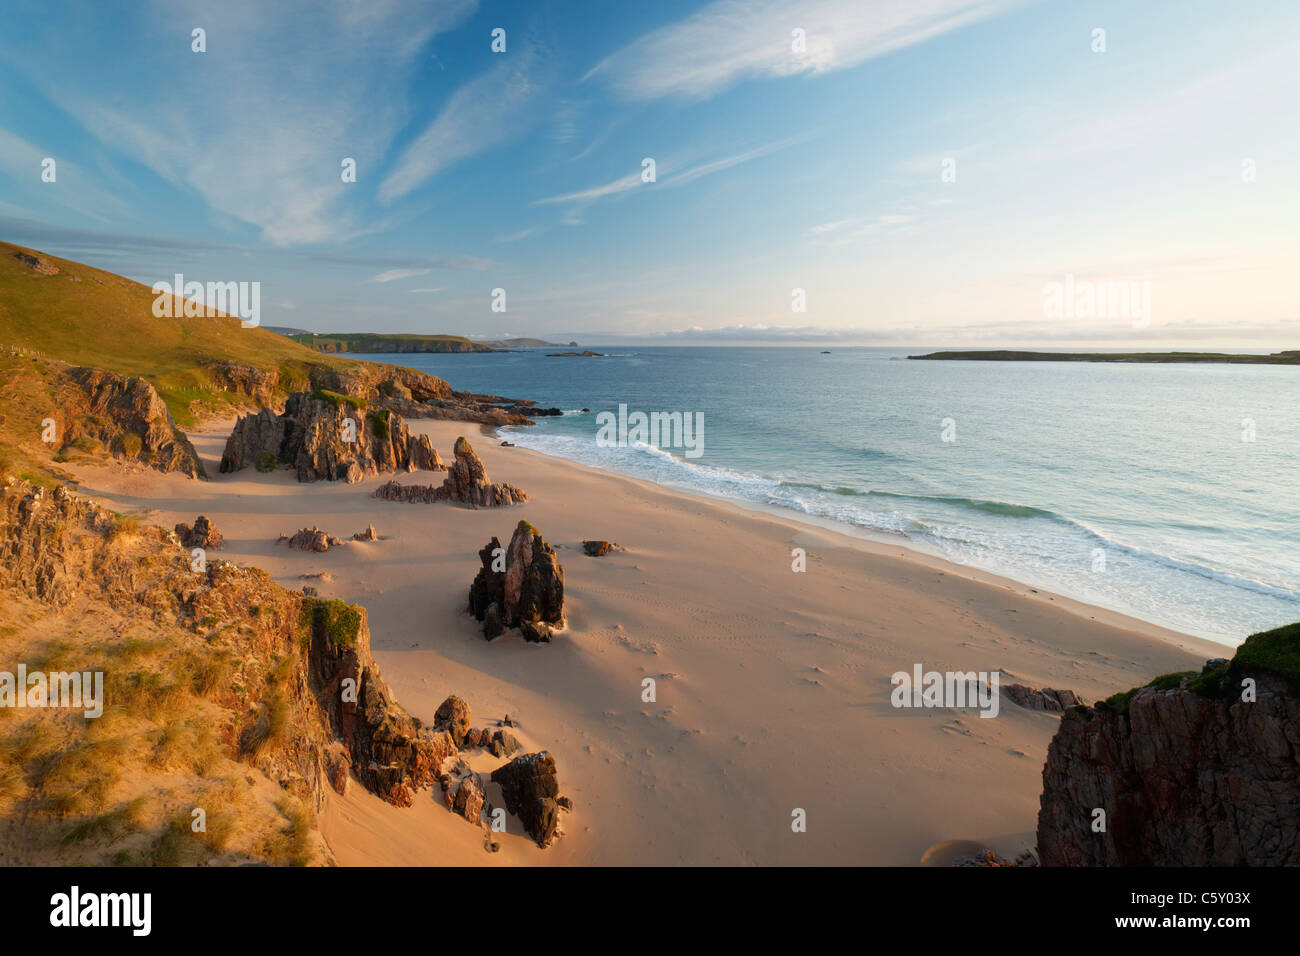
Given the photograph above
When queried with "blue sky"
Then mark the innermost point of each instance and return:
(776, 169)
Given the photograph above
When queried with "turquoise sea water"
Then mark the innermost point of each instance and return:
(1128, 486)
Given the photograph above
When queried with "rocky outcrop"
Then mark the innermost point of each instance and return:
(1190, 770)
(370, 534)
(519, 586)
(452, 716)
(259, 385)
(122, 415)
(466, 482)
(414, 394)
(37, 264)
(417, 494)
(311, 539)
(530, 789)
(1048, 699)
(327, 436)
(598, 549)
(202, 534)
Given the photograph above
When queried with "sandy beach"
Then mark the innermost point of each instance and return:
(772, 687)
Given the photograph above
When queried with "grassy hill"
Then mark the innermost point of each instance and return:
(86, 316)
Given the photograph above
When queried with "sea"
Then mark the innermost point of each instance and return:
(1168, 492)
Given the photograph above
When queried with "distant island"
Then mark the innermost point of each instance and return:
(585, 353)
(1288, 357)
(379, 342)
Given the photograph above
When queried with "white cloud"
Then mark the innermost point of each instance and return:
(633, 179)
(731, 40)
(487, 111)
(393, 274)
(258, 125)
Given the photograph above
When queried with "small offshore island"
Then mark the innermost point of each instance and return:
(1287, 357)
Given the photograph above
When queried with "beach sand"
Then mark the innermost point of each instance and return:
(772, 687)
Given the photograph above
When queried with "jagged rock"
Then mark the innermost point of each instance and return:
(203, 534)
(418, 494)
(503, 744)
(1047, 699)
(37, 264)
(468, 801)
(1187, 772)
(312, 539)
(453, 716)
(313, 436)
(368, 535)
(599, 549)
(259, 385)
(529, 787)
(467, 482)
(536, 632)
(528, 593)
(564, 803)
(492, 625)
(474, 738)
(123, 414)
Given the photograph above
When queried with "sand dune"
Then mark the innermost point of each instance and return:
(772, 686)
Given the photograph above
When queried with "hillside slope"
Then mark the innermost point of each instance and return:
(78, 314)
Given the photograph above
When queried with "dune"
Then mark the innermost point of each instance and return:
(771, 687)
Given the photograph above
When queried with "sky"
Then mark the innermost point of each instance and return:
(878, 172)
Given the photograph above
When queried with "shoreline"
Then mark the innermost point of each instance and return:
(772, 687)
(887, 539)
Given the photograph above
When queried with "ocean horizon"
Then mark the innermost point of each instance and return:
(1155, 490)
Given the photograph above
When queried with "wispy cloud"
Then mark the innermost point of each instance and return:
(247, 125)
(633, 179)
(487, 111)
(731, 40)
(393, 274)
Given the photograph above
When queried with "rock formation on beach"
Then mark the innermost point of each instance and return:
(328, 436)
(598, 549)
(531, 792)
(1048, 699)
(202, 534)
(1191, 770)
(467, 482)
(519, 586)
(311, 539)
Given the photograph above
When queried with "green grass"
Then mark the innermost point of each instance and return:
(337, 400)
(336, 619)
(1275, 652)
(90, 317)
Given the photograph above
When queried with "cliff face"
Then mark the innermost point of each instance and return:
(1191, 770)
(51, 409)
